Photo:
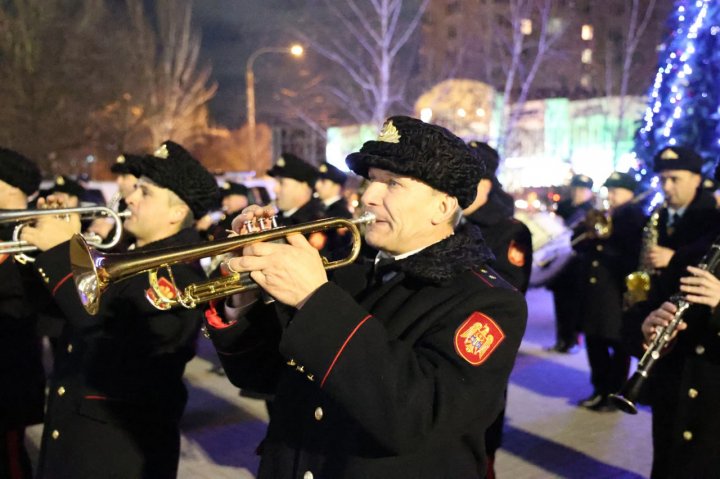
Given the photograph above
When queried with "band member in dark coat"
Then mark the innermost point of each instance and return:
(234, 198)
(117, 395)
(329, 189)
(511, 243)
(683, 388)
(22, 379)
(509, 239)
(294, 190)
(607, 260)
(565, 286)
(396, 374)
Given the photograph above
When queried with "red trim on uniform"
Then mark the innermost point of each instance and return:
(60, 283)
(12, 441)
(483, 278)
(97, 398)
(214, 319)
(342, 348)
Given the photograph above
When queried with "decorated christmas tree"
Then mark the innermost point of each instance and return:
(684, 99)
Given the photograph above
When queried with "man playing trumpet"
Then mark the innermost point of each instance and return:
(116, 395)
(394, 370)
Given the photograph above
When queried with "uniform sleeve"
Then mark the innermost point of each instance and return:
(401, 391)
(248, 346)
(124, 301)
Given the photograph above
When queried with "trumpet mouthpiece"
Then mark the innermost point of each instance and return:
(365, 218)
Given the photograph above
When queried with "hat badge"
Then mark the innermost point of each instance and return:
(162, 152)
(615, 176)
(389, 133)
(226, 186)
(60, 180)
(669, 154)
(323, 168)
(281, 162)
(120, 159)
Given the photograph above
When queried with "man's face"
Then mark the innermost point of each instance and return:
(679, 187)
(580, 194)
(126, 184)
(234, 203)
(6, 192)
(403, 208)
(619, 196)
(150, 208)
(291, 194)
(326, 189)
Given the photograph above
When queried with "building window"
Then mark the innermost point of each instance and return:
(452, 7)
(526, 26)
(587, 32)
(555, 27)
(587, 55)
(585, 81)
(451, 32)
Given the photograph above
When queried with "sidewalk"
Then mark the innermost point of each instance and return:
(546, 435)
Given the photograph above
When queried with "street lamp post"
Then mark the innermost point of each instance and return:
(295, 50)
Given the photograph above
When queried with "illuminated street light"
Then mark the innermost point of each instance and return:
(294, 50)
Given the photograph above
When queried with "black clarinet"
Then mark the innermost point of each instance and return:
(625, 399)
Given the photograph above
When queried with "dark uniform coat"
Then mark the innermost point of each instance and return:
(310, 211)
(684, 385)
(388, 380)
(116, 395)
(22, 379)
(339, 241)
(509, 240)
(606, 262)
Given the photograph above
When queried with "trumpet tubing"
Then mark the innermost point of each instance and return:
(24, 218)
(93, 271)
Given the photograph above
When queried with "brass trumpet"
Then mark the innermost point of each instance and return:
(19, 248)
(93, 271)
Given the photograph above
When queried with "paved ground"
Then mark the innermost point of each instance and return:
(546, 436)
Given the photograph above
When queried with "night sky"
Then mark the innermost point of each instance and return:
(231, 30)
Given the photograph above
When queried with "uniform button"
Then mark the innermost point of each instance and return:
(311, 377)
(291, 362)
(61, 391)
(318, 414)
(599, 247)
(55, 434)
(69, 348)
(593, 280)
(700, 350)
(300, 369)
(596, 263)
(491, 276)
(687, 435)
(308, 475)
(693, 393)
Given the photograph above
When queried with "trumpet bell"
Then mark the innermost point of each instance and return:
(84, 262)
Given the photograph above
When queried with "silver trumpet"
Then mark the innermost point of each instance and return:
(24, 218)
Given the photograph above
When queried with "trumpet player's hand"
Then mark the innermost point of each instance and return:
(251, 213)
(660, 256)
(50, 231)
(701, 288)
(660, 318)
(290, 272)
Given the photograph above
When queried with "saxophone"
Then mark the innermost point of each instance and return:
(637, 283)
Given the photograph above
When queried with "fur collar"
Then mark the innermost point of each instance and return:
(463, 251)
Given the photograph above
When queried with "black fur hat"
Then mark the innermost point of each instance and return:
(678, 158)
(621, 180)
(228, 188)
(65, 184)
(127, 164)
(332, 173)
(429, 153)
(487, 154)
(581, 181)
(18, 171)
(172, 167)
(292, 166)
